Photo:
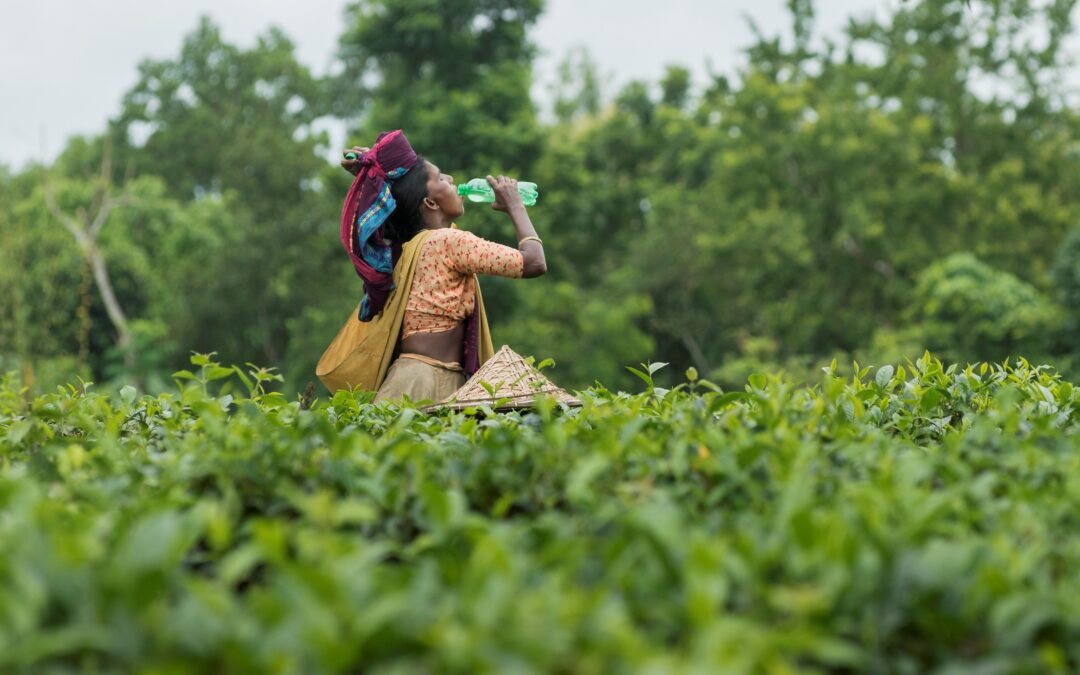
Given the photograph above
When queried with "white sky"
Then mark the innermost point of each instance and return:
(65, 64)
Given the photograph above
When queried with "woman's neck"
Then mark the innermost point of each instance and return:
(437, 223)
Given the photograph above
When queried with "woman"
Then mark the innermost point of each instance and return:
(421, 302)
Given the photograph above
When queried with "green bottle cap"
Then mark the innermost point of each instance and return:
(350, 155)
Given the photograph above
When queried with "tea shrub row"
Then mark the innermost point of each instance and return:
(905, 520)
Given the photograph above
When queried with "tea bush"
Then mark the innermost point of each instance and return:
(907, 519)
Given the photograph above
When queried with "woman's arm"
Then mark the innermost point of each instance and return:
(508, 200)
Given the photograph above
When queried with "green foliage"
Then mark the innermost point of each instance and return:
(218, 118)
(1067, 281)
(576, 331)
(976, 312)
(578, 92)
(908, 519)
(232, 132)
(455, 76)
(803, 207)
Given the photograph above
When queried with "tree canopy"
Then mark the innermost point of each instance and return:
(912, 182)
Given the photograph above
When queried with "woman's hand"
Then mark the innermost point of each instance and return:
(507, 196)
(352, 165)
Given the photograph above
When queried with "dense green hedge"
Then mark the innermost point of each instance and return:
(907, 520)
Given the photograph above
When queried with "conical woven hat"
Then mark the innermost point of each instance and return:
(514, 384)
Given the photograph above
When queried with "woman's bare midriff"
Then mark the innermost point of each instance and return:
(445, 346)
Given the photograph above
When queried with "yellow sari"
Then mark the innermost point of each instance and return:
(362, 352)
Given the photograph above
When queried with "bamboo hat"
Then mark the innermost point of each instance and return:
(513, 382)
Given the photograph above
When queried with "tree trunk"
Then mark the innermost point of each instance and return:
(112, 307)
(86, 227)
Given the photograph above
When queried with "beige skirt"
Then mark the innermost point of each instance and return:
(422, 378)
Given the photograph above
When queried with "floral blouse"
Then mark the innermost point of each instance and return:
(444, 286)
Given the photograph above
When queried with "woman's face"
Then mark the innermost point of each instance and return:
(443, 191)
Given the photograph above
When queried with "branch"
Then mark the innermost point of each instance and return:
(106, 208)
(70, 224)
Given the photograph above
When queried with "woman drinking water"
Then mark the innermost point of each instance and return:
(420, 329)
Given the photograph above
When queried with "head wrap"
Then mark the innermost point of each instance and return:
(367, 206)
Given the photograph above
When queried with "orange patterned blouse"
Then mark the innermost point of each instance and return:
(444, 286)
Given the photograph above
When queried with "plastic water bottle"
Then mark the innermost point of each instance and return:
(478, 190)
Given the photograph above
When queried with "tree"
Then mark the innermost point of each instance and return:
(1066, 274)
(579, 90)
(237, 127)
(969, 311)
(86, 226)
(455, 76)
(809, 205)
(219, 119)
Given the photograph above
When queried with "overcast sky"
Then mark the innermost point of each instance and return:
(65, 64)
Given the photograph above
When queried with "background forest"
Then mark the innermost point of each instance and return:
(912, 184)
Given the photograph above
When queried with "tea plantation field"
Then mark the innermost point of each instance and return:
(906, 520)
